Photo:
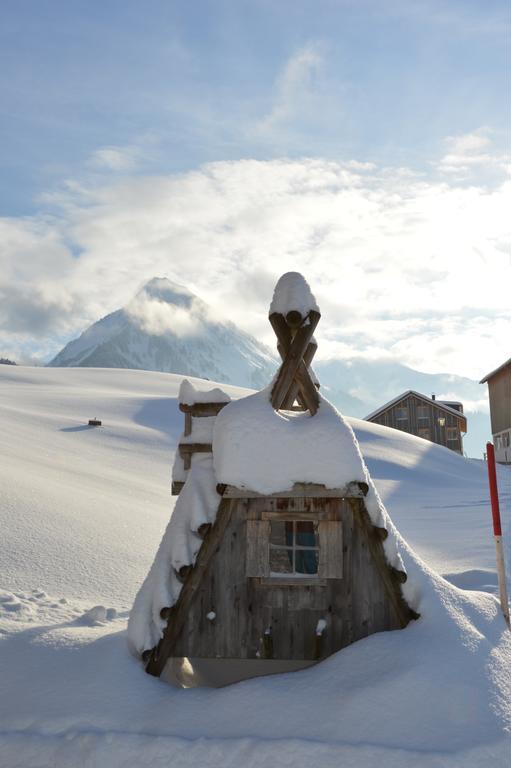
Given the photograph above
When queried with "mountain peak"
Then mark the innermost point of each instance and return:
(166, 327)
(163, 289)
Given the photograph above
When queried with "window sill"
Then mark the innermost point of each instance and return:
(290, 581)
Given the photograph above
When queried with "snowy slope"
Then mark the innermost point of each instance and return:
(166, 328)
(82, 511)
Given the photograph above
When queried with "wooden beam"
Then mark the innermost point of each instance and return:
(353, 490)
(308, 391)
(299, 385)
(163, 650)
(294, 318)
(183, 573)
(203, 530)
(187, 449)
(202, 409)
(294, 389)
(293, 361)
(382, 533)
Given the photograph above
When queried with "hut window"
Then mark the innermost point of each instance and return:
(294, 549)
(402, 414)
(424, 433)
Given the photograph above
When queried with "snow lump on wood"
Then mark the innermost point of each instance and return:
(292, 293)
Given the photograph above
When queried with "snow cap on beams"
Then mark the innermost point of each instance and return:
(293, 294)
(294, 315)
(189, 395)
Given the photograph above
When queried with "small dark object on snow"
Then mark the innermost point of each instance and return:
(94, 423)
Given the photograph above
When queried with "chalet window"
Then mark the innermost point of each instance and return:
(452, 435)
(294, 549)
(402, 414)
(423, 416)
(424, 433)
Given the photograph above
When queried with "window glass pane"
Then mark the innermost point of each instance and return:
(281, 560)
(306, 561)
(401, 413)
(306, 534)
(278, 533)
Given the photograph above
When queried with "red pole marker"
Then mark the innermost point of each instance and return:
(497, 530)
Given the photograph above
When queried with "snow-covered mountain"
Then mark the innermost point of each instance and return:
(167, 328)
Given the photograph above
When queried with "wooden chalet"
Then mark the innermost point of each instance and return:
(439, 421)
(277, 581)
(499, 391)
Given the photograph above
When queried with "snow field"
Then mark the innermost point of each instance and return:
(82, 512)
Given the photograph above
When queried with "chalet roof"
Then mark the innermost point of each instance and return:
(497, 370)
(438, 403)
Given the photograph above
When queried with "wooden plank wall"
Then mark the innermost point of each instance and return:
(245, 608)
(499, 387)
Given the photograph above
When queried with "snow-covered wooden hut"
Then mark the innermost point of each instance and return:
(279, 551)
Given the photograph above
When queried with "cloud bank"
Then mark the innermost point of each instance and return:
(404, 266)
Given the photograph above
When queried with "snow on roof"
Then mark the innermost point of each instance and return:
(440, 403)
(267, 451)
(189, 395)
(292, 292)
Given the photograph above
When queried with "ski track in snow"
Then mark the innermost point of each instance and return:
(82, 511)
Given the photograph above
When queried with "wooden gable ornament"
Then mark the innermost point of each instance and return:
(279, 580)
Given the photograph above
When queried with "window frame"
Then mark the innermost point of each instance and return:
(294, 548)
(330, 549)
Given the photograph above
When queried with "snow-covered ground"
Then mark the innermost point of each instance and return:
(82, 511)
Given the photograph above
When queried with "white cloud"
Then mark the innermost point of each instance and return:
(115, 158)
(159, 317)
(471, 153)
(295, 88)
(402, 266)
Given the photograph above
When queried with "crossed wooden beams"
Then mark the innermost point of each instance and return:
(297, 348)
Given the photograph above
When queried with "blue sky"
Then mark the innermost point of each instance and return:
(191, 82)
(366, 144)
